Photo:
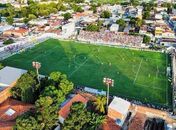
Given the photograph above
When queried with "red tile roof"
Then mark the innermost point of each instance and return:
(110, 125)
(6, 121)
(20, 30)
(65, 110)
(137, 122)
(57, 23)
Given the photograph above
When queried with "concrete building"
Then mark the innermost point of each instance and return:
(118, 110)
(17, 32)
(5, 28)
(68, 30)
(114, 28)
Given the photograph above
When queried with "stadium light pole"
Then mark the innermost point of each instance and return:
(109, 83)
(37, 66)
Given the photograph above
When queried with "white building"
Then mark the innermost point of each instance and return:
(39, 22)
(68, 30)
(118, 110)
(114, 28)
(6, 1)
(5, 28)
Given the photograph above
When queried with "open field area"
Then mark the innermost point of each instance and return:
(138, 75)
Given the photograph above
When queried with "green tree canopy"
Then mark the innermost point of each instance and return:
(146, 39)
(121, 22)
(46, 112)
(105, 14)
(8, 41)
(57, 95)
(10, 20)
(27, 122)
(93, 28)
(26, 88)
(67, 16)
(100, 103)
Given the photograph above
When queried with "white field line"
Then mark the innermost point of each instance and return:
(155, 88)
(81, 65)
(138, 71)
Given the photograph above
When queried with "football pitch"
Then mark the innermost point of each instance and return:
(139, 75)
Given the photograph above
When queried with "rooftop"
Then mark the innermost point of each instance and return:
(110, 125)
(138, 121)
(120, 105)
(9, 75)
(19, 30)
(9, 110)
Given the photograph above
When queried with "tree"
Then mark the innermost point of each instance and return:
(67, 16)
(26, 88)
(134, 2)
(96, 121)
(10, 20)
(77, 118)
(8, 41)
(146, 39)
(146, 15)
(105, 14)
(121, 22)
(93, 8)
(138, 22)
(25, 20)
(31, 16)
(100, 103)
(46, 112)
(82, 119)
(1, 66)
(57, 95)
(66, 86)
(27, 122)
(55, 76)
(93, 28)
(77, 8)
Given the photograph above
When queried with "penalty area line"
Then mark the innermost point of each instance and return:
(137, 71)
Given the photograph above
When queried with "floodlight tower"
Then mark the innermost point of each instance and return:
(109, 83)
(37, 66)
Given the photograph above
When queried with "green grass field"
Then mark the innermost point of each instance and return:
(138, 75)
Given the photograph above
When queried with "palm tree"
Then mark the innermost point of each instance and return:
(100, 103)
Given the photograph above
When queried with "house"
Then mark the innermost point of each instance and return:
(8, 78)
(39, 22)
(68, 29)
(158, 31)
(10, 109)
(137, 122)
(65, 109)
(110, 124)
(5, 28)
(118, 110)
(114, 28)
(17, 32)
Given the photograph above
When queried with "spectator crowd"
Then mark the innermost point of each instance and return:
(111, 38)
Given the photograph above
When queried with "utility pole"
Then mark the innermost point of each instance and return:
(109, 83)
(37, 66)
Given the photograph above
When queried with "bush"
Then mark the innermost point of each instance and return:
(9, 41)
